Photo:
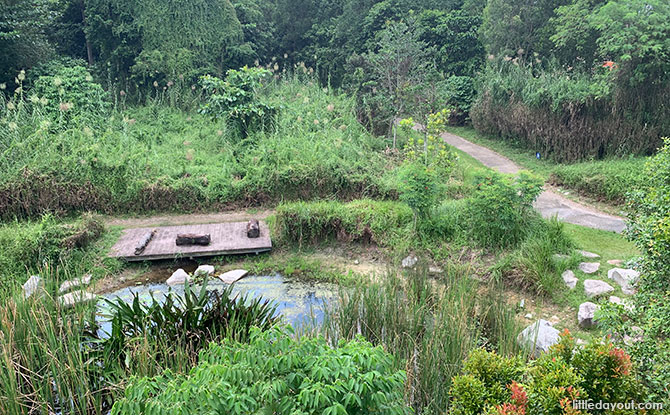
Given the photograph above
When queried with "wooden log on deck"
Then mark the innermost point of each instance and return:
(253, 229)
(146, 238)
(193, 239)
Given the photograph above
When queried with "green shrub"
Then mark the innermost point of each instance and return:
(67, 93)
(419, 187)
(501, 209)
(238, 99)
(548, 385)
(275, 373)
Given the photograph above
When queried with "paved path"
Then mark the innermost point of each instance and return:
(548, 203)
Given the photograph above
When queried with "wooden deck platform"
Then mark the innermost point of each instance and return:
(227, 239)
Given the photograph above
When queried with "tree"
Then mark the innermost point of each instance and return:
(399, 66)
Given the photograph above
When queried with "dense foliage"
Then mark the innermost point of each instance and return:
(274, 373)
(494, 384)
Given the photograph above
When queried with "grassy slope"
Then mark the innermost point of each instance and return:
(603, 180)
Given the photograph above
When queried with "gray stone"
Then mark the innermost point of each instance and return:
(589, 267)
(587, 254)
(76, 297)
(560, 257)
(616, 300)
(569, 279)
(538, 337)
(232, 276)
(596, 288)
(410, 261)
(585, 316)
(637, 336)
(615, 262)
(74, 283)
(435, 270)
(179, 277)
(528, 316)
(33, 285)
(522, 303)
(204, 271)
(626, 278)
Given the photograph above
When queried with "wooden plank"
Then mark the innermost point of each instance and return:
(227, 238)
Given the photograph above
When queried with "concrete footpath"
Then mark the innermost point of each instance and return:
(548, 203)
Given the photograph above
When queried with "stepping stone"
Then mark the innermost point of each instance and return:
(76, 297)
(560, 257)
(587, 254)
(538, 337)
(178, 277)
(615, 262)
(626, 278)
(569, 279)
(31, 286)
(596, 288)
(585, 316)
(77, 282)
(617, 300)
(589, 267)
(410, 261)
(231, 277)
(204, 270)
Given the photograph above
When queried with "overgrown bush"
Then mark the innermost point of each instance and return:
(501, 209)
(238, 99)
(275, 373)
(493, 384)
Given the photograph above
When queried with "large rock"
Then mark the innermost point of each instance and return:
(569, 279)
(33, 285)
(589, 267)
(179, 277)
(76, 297)
(626, 278)
(596, 288)
(409, 261)
(232, 276)
(585, 316)
(77, 282)
(538, 337)
(587, 254)
(204, 271)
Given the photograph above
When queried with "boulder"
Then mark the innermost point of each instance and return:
(204, 271)
(596, 288)
(569, 279)
(538, 337)
(33, 285)
(410, 261)
(74, 283)
(233, 276)
(76, 297)
(587, 254)
(178, 277)
(589, 267)
(585, 316)
(626, 278)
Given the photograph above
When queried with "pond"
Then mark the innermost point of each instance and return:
(299, 302)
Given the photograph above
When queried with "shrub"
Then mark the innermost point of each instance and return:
(419, 187)
(495, 385)
(501, 209)
(275, 373)
(238, 99)
(68, 93)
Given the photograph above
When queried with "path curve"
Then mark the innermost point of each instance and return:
(548, 203)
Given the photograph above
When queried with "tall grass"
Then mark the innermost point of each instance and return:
(158, 157)
(429, 325)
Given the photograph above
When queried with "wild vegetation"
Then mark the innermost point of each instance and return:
(330, 116)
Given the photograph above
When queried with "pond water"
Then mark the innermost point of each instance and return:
(299, 302)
